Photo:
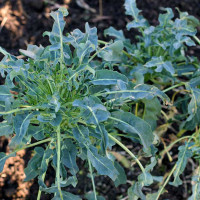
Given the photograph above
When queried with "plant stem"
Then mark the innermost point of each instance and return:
(165, 183)
(34, 144)
(174, 86)
(102, 42)
(197, 39)
(164, 114)
(128, 151)
(184, 74)
(61, 49)
(58, 161)
(158, 52)
(43, 177)
(95, 54)
(173, 169)
(136, 109)
(172, 144)
(92, 178)
(19, 109)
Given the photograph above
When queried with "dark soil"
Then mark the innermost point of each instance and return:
(22, 23)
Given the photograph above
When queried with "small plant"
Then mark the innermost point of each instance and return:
(67, 101)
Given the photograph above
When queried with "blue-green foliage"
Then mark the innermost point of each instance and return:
(68, 96)
(59, 89)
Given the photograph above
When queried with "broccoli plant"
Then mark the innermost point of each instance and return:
(64, 102)
(80, 96)
(159, 56)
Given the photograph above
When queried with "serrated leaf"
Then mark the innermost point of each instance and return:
(36, 131)
(195, 188)
(183, 155)
(137, 24)
(165, 18)
(81, 134)
(131, 9)
(91, 35)
(16, 65)
(69, 154)
(140, 91)
(133, 126)
(95, 112)
(32, 51)
(160, 64)
(111, 31)
(21, 123)
(113, 52)
(33, 168)
(135, 191)
(103, 165)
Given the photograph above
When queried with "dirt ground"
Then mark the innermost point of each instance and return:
(22, 22)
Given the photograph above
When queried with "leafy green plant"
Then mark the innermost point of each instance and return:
(68, 102)
(72, 106)
(159, 56)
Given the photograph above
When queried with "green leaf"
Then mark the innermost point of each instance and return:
(3, 51)
(48, 153)
(95, 112)
(183, 155)
(131, 9)
(36, 131)
(121, 178)
(113, 52)
(114, 33)
(194, 105)
(34, 165)
(53, 118)
(165, 18)
(107, 77)
(91, 35)
(32, 51)
(3, 158)
(69, 154)
(134, 126)
(135, 191)
(81, 134)
(21, 123)
(58, 25)
(151, 112)
(5, 128)
(160, 64)
(140, 91)
(195, 188)
(103, 165)
(4, 93)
